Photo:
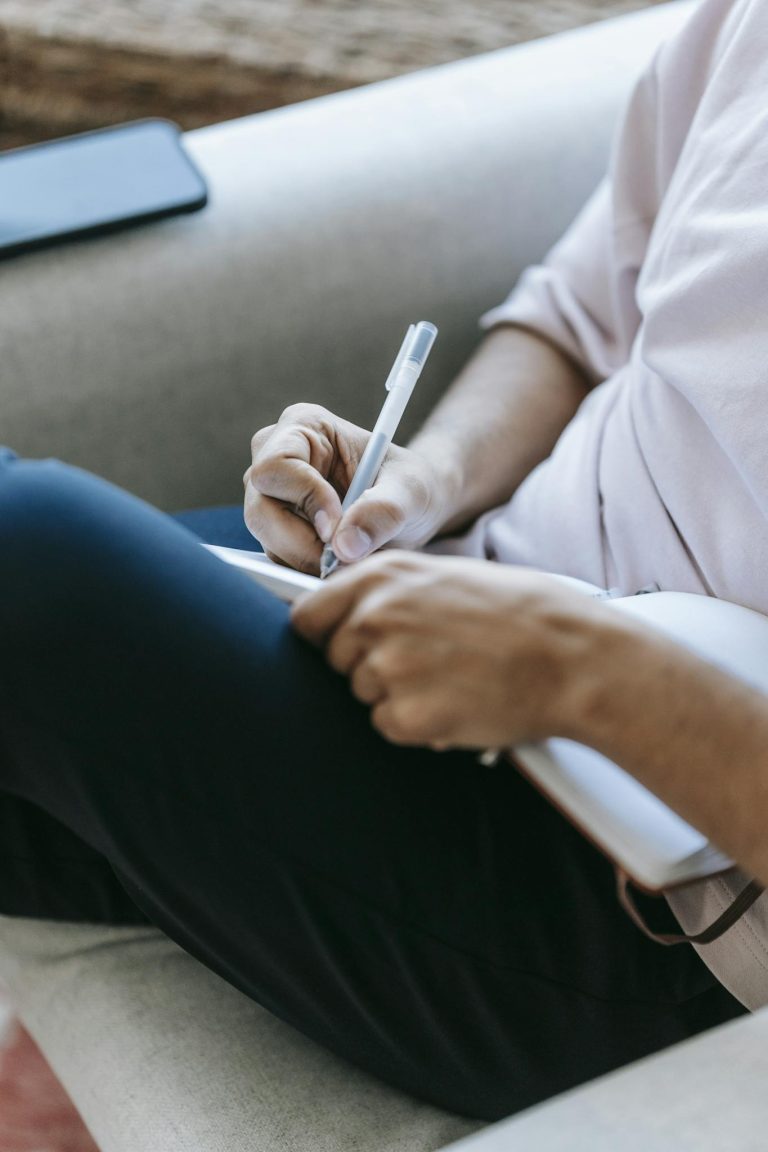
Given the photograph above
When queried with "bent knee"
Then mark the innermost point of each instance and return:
(37, 497)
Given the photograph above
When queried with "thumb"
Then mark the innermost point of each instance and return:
(377, 517)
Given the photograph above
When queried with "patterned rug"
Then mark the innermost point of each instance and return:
(36, 1114)
(67, 65)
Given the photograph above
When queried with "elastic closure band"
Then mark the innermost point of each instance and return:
(718, 928)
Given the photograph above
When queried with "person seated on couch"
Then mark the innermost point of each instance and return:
(310, 819)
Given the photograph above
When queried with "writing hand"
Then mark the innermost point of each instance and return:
(301, 468)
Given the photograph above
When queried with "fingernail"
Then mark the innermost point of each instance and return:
(351, 544)
(323, 526)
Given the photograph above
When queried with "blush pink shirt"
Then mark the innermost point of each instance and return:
(660, 292)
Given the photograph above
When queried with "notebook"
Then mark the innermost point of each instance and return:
(285, 583)
(651, 843)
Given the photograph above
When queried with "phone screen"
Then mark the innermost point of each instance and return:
(95, 182)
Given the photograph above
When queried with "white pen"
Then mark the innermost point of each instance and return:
(401, 381)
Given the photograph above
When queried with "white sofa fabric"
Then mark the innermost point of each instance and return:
(151, 357)
(707, 1095)
(161, 1055)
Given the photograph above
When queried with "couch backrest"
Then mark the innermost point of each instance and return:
(152, 356)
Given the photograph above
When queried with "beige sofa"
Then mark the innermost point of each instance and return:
(151, 357)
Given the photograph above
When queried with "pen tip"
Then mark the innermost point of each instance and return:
(328, 562)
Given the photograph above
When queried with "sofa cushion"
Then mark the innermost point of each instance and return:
(161, 1055)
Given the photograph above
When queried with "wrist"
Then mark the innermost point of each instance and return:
(447, 480)
(595, 659)
(603, 678)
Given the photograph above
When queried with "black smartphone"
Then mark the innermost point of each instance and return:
(94, 183)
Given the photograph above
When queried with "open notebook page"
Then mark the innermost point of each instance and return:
(285, 583)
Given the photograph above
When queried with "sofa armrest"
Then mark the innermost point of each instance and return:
(705, 1095)
(153, 355)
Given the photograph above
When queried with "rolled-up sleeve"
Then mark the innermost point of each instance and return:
(567, 298)
(581, 297)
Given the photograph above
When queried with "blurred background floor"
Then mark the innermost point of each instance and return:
(67, 65)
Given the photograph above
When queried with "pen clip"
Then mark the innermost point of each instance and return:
(392, 378)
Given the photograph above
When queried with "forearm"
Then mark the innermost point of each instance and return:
(500, 418)
(695, 736)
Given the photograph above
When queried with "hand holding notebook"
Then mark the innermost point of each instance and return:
(652, 844)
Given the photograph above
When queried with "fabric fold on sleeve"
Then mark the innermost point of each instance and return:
(568, 299)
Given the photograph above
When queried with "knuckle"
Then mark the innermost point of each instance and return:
(416, 487)
(338, 652)
(400, 723)
(390, 512)
(334, 654)
(305, 413)
(260, 470)
(385, 664)
(394, 560)
(259, 439)
(379, 565)
(382, 570)
(271, 470)
(340, 662)
(367, 618)
(431, 723)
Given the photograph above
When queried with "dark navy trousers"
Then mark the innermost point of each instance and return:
(171, 751)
